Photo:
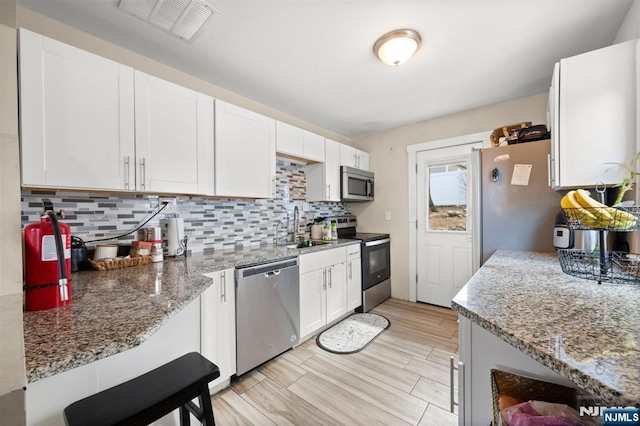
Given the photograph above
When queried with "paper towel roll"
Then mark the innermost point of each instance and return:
(175, 236)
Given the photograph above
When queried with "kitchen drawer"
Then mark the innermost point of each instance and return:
(353, 252)
(322, 259)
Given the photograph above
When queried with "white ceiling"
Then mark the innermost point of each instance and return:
(313, 59)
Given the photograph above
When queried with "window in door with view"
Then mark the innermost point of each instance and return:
(447, 197)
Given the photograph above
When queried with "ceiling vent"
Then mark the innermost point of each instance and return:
(182, 18)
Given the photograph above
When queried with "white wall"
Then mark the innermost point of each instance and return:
(630, 28)
(12, 368)
(389, 162)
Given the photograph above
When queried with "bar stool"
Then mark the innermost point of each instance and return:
(151, 396)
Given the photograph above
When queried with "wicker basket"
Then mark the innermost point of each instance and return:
(526, 389)
(506, 132)
(105, 265)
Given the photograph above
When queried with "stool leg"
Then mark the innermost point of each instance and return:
(205, 405)
(185, 417)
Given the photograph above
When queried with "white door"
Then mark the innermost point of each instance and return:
(444, 238)
(332, 170)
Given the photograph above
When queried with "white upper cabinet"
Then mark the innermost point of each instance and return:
(313, 146)
(323, 179)
(352, 157)
(592, 116)
(76, 117)
(174, 137)
(295, 142)
(289, 139)
(245, 153)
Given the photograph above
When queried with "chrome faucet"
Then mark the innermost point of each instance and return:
(278, 224)
(296, 220)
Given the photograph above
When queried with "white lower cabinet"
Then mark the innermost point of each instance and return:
(354, 277)
(480, 352)
(218, 325)
(323, 292)
(47, 398)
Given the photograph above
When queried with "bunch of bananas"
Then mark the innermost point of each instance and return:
(580, 207)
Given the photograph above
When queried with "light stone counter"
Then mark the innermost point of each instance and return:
(586, 332)
(112, 311)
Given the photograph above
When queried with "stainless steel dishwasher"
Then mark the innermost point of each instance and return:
(267, 312)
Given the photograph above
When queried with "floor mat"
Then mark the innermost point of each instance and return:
(353, 333)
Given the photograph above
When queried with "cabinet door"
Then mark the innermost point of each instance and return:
(354, 284)
(332, 170)
(76, 117)
(313, 146)
(245, 153)
(218, 324)
(312, 301)
(363, 160)
(348, 156)
(174, 137)
(336, 290)
(289, 140)
(597, 115)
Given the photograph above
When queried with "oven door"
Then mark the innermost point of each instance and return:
(376, 262)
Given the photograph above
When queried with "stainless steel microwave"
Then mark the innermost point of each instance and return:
(355, 184)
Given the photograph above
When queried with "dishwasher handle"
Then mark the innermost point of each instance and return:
(267, 269)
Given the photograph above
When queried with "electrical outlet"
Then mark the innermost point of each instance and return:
(172, 205)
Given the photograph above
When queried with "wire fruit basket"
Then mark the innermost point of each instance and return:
(614, 267)
(603, 218)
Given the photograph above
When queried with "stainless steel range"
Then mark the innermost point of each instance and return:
(376, 261)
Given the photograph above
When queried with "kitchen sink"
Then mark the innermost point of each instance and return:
(303, 244)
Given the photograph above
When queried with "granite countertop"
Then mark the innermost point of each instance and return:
(112, 311)
(586, 332)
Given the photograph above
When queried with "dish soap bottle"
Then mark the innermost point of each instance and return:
(326, 231)
(334, 231)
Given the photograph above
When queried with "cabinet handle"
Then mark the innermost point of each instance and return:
(127, 165)
(549, 180)
(330, 278)
(143, 167)
(328, 191)
(324, 279)
(273, 187)
(452, 371)
(355, 160)
(350, 270)
(223, 288)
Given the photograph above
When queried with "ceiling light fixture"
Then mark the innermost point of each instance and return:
(396, 47)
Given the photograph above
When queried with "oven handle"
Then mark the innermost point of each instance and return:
(377, 242)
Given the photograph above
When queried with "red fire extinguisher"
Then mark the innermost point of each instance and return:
(47, 260)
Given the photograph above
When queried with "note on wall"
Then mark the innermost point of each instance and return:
(521, 173)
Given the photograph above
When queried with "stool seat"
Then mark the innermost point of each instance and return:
(150, 396)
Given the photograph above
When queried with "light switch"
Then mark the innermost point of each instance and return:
(387, 215)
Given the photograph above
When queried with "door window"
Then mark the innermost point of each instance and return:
(447, 187)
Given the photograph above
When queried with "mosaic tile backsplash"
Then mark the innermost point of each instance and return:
(209, 223)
